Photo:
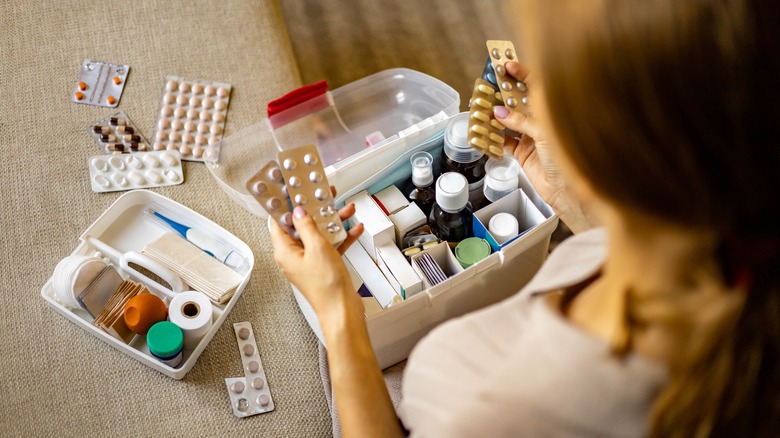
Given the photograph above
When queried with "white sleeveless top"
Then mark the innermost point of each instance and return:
(519, 368)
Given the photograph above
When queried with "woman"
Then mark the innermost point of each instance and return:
(660, 116)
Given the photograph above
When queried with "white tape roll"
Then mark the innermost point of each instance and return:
(192, 312)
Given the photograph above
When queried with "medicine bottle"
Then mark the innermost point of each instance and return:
(458, 156)
(422, 177)
(451, 216)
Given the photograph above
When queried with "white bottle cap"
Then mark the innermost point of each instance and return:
(452, 192)
(422, 169)
(503, 227)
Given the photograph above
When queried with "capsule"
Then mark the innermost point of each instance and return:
(125, 129)
(481, 130)
(485, 89)
(132, 138)
(107, 138)
(116, 147)
(114, 121)
(495, 138)
(101, 129)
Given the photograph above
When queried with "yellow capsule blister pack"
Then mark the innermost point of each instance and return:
(513, 91)
(485, 132)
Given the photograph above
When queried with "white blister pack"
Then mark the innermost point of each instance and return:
(192, 117)
(100, 83)
(116, 134)
(249, 395)
(135, 171)
(298, 180)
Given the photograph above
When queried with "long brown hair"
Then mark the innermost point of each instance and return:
(671, 108)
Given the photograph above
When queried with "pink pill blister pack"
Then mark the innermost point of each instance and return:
(298, 180)
(116, 134)
(191, 118)
(249, 395)
(114, 173)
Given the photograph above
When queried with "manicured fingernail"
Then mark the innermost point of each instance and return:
(299, 212)
(500, 111)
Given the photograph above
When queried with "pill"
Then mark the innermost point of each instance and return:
(179, 112)
(333, 227)
(184, 87)
(213, 140)
(295, 181)
(181, 100)
(202, 127)
(289, 164)
(184, 149)
(166, 111)
(197, 152)
(200, 139)
(263, 399)
(82, 86)
(117, 163)
(496, 150)
(315, 176)
(511, 102)
(320, 194)
(524, 100)
(509, 54)
(192, 113)
(204, 115)
(151, 161)
(479, 143)
(137, 147)
(481, 130)
(171, 146)
(287, 219)
(102, 181)
(500, 70)
(237, 387)
(253, 366)
(485, 89)
(521, 86)
(310, 159)
(169, 98)
(154, 176)
(258, 383)
(218, 117)
(496, 53)
(158, 146)
(301, 199)
(161, 135)
(117, 80)
(222, 92)
(79, 95)
(132, 137)
(125, 130)
(248, 350)
(273, 203)
(119, 180)
(187, 137)
(105, 138)
(190, 126)
(207, 103)
(169, 160)
(171, 175)
(327, 211)
(136, 178)
(194, 101)
(176, 125)
(220, 104)
(117, 121)
(483, 103)
(479, 115)
(495, 138)
(259, 188)
(134, 162)
(101, 129)
(506, 86)
(209, 90)
(274, 174)
(171, 85)
(99, 164)
(197, 88)
(215, 129)
(495, 124)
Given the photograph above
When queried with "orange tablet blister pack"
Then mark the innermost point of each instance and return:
(485, 132)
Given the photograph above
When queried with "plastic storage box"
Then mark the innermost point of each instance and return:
(411, 111)
(123, 231)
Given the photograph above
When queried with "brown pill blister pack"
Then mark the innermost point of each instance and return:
(513, 92)
(117, 134)
(298, 180)
(485, 132)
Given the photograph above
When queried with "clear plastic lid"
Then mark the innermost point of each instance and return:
(456, 142)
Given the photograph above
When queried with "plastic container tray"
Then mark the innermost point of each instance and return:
(124, 228)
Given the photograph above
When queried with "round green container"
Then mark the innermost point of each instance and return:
(165, 340)
(472, 250)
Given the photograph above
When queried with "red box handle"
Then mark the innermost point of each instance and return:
(296, 97)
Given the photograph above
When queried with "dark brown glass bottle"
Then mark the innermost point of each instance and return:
(451, 216)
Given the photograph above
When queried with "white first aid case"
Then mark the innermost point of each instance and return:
(366, 131)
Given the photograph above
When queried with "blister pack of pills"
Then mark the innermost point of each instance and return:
(192, 118)
(135, 171)
(514, 92)
(249, 395)
(485, 132)
(100, 83)
(301, 177)
(116, 134)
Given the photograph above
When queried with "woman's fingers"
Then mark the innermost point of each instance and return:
(347, 211)
(517, 70)
(352, 236)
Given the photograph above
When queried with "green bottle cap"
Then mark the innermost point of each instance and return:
(471, 250)
(165, 339)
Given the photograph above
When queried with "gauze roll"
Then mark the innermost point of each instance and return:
(192, 312)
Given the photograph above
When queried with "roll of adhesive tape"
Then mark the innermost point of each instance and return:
(192, 312)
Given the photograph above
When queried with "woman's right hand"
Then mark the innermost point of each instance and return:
(530, 149)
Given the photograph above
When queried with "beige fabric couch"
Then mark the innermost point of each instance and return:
(57, 380)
